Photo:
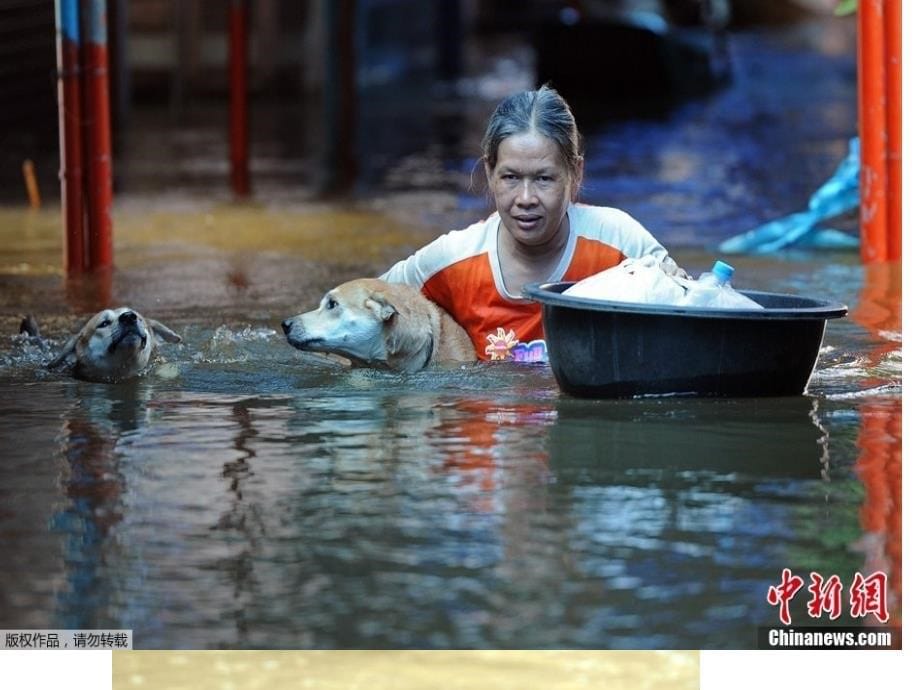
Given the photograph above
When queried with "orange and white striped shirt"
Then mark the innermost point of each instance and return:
(460, 272)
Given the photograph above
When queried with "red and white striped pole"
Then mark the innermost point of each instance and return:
(67, 20)
(99, 133)
(85, 134)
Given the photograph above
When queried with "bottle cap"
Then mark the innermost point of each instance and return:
(723, 271)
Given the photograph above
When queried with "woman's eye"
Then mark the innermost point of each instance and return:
(331, 304)
(105, 323)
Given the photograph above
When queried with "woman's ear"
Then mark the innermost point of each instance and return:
(487, 169)
(578, 175)
(485, 175)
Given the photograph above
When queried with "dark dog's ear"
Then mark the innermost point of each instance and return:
(381, 306)
(67, 356)
(29, 326)
(163, 332)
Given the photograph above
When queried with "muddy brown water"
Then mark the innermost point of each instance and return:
(247, 495)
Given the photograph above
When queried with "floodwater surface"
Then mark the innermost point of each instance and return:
(247, 495)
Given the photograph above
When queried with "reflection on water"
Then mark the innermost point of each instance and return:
(879, 441)
(256, 497)
(92, 481)
(247, 495)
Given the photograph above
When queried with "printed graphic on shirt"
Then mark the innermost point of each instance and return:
(504, 345)
(533, 352)
(501, 344)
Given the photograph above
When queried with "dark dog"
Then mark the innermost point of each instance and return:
(113, 345)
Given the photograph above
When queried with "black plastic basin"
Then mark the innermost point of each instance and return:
(602, 349)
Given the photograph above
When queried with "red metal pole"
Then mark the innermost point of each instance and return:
(893, 124)
(879, 310)
(99, 134)
(239, 124)
(873, 180)
(67, 19)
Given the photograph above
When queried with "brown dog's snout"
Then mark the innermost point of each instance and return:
(286, 326)
(128, 318)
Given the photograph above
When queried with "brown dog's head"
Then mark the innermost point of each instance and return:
(113, 345)
(353, 320)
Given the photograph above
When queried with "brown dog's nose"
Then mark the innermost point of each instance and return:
(286, 326)
(128, 317)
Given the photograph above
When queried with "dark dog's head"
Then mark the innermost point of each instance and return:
(114, 344)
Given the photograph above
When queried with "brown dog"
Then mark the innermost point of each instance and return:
(383, 325)
(113, 345)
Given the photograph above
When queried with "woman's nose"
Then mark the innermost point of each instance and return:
(525, 196)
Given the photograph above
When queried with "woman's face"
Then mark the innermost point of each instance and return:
(532, 187)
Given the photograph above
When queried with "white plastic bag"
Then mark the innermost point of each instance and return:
(633, 280)
(713, 290)
(716, 297)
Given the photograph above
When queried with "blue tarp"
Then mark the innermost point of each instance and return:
(838, 195)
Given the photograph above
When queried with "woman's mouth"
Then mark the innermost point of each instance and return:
(527, 222)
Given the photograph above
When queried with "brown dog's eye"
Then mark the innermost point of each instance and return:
(105, 323)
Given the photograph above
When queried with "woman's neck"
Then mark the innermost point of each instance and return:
(521, 263)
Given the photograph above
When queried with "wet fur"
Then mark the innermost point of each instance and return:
(29, 326)
(383, 325)
(113, 345)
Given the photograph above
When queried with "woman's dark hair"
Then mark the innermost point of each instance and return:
(543, 111)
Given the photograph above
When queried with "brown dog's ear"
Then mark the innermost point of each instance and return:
(163, 332)
(67, 356)
(381, 306)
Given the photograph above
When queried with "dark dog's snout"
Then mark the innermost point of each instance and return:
(128, 318)
(286, 326)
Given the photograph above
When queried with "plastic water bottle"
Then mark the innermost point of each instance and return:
(713, 290)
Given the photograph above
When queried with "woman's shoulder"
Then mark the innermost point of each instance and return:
(613, 227)
(473, 239)
(447, 249)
